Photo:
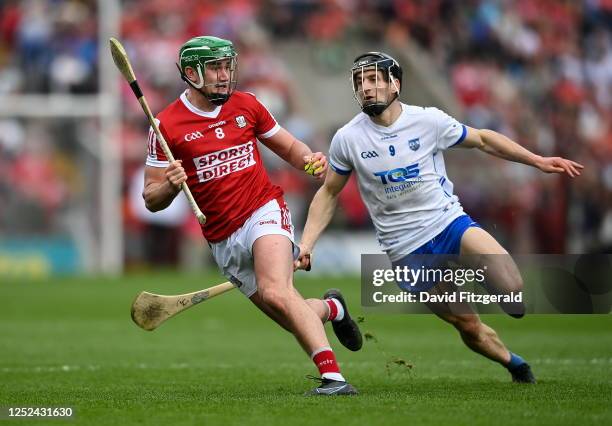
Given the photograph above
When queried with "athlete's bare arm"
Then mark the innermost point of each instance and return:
(496, 144)
(320, 214)
(162, 185)
(296, 152)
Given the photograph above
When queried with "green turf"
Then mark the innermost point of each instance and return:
(70, 342)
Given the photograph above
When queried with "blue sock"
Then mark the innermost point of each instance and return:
(515, 361)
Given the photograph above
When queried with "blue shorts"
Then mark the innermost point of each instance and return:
(447, 244)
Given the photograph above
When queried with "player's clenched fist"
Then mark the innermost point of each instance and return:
(316, 165)
(175, 174)
(304, 260)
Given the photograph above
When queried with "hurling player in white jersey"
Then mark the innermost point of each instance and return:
(396, 151)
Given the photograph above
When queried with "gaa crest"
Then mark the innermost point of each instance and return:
(241, 121)
(414, 144)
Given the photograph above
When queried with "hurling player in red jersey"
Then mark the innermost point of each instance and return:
(213, 132)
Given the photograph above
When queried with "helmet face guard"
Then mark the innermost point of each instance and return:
(390, 71)
(218, 57)
(219, 89)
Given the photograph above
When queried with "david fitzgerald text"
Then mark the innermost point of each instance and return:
(447, 297)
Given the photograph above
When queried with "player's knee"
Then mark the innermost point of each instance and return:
(514, 280)
(276, 299)
(505, 275)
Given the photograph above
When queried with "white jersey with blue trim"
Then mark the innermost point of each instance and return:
(401, 174)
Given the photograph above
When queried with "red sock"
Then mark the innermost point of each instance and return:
(333, 309)
(325, 360)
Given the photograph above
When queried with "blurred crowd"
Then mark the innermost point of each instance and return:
(539, 71)
(45, 47)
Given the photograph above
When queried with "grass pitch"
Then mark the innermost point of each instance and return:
(71, 342)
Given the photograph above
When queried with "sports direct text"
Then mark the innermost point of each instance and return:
(221, 163)
(410, 276)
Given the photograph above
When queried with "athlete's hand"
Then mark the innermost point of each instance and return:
(175, 175)
(559, 165)
(304, 260)
(316, 165)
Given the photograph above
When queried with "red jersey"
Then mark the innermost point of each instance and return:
(220, 156)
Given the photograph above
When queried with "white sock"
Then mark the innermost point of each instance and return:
(334, 376)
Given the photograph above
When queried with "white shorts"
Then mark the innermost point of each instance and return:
(234, 255)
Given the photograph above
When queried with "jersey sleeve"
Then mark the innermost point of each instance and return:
(450, 132)
(339, 159)
(265, 125)
(155, 154)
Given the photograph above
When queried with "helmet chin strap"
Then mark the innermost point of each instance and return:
(220, 100)
(376, 109)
